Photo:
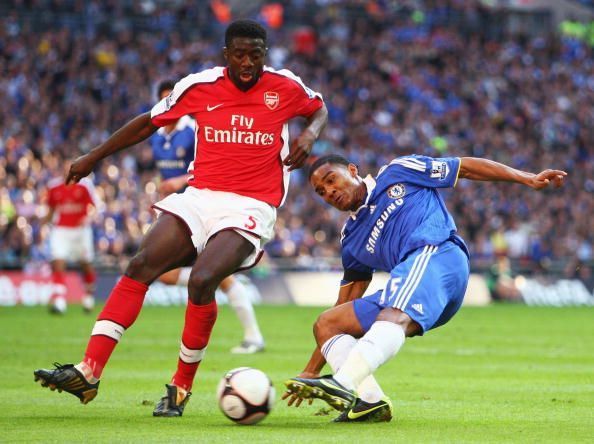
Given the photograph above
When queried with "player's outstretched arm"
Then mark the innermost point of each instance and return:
(301, 147)
(474, 168)
(136, 130)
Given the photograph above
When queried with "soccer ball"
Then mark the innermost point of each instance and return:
(245, 395)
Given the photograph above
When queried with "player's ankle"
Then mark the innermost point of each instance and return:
(182, 393)
(86, 370)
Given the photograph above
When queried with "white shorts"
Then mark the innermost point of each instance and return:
(208, 212)
(72, 244)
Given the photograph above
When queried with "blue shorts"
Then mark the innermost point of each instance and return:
(429, 286)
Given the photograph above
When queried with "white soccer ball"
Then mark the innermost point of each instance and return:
(245, 395)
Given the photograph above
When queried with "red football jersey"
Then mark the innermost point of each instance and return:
(241, 137)
(70, 202)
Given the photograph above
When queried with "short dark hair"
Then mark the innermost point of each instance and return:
(245, 28)
(165, 85)
(330, 158)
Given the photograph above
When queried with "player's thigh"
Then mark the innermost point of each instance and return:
(337, 320)
(167, 245)
(223, 254)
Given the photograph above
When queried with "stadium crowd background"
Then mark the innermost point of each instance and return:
(436, 77)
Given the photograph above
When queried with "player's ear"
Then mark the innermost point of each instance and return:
(226, 53)
(353, 169)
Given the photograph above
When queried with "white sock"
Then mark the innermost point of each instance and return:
(370, 391)
(184, 276)
(335, 350)
(378, 345)
(240, 302)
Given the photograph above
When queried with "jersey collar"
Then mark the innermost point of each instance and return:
(370, 184)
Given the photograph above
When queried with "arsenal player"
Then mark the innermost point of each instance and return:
(173, 151)
(71, 238)
(222, 220)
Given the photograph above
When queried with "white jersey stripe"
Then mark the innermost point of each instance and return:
(407, 164)
(410, 276)
(207, 76)
(413, 160)
(286, 73)
(404, 302)
(284, 152)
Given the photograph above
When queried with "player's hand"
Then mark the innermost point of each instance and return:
(81, 167)
(293, 398)
(169, 186)
(547, 178)
(300, 150)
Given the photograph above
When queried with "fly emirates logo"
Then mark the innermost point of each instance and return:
(241, 132)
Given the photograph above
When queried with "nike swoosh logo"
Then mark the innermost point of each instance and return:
(211, 108)
(355, 415)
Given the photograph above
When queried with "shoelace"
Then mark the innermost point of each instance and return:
(59, 366)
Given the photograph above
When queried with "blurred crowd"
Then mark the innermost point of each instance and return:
(426, 77)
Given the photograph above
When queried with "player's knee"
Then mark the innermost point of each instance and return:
(322, 328)
(201, 287)
(138, 268)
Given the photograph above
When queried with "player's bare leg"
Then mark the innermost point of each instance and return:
(236, 292)
(89, 278)
(154, 257)
(239, 300)
(336, 331)
(57, 303)
(171, 277)
(224, 253)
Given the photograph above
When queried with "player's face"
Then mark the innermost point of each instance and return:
(245, 58)
(339, 185)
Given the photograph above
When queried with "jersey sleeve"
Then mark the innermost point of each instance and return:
(425, 171)
(305, 101)
(184, 98)
(354, 270)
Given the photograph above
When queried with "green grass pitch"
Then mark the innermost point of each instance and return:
(496, 374)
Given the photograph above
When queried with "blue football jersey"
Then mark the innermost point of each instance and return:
(174, 152)
(402, 212)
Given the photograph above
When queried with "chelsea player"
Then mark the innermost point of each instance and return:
(173, 148)
(399, 224)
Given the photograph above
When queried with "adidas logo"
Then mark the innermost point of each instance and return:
(418, 308)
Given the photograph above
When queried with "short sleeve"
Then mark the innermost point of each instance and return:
(304, 100)
(305, 105)
(170, 109)
(184, 98)
(425, 171)
(354, 270)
